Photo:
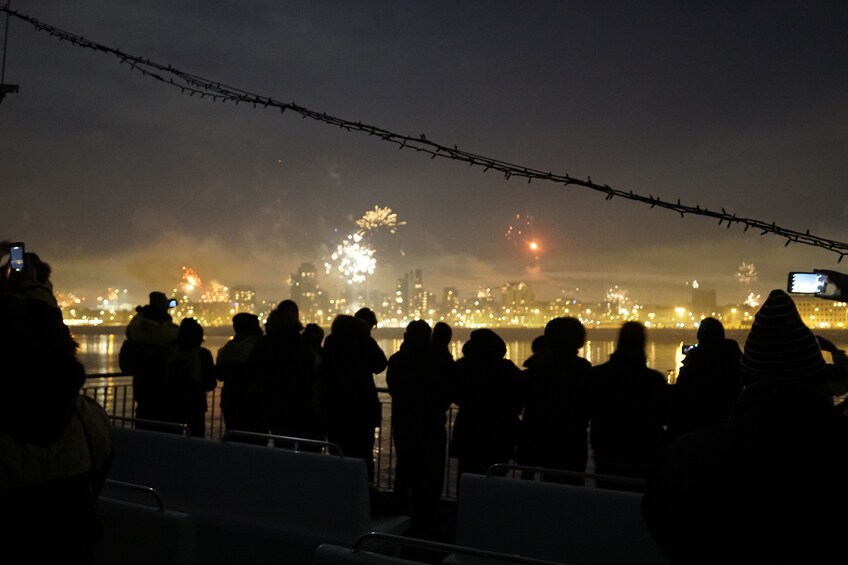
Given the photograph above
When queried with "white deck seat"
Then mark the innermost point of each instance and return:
(253, 504)
(557, 522)
(136, 533)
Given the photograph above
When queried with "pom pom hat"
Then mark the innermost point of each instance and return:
(780, 345)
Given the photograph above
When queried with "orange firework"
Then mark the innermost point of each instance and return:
(190, 281)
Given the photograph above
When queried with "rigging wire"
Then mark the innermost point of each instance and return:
(6, 88)
(216, 91)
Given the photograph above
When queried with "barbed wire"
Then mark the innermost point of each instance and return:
(216, 91)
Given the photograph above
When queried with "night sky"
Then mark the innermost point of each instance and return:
(119, 180)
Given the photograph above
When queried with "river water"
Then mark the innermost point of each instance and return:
(99, 347)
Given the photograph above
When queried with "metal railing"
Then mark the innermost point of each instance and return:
(114, 392)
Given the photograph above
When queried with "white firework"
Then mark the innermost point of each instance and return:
(746, 273)
(354, 258)
(618, 295)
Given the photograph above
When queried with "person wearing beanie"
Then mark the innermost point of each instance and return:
(708, 384)
(767, 486)
(780, 346)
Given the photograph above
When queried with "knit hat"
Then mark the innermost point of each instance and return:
(779, 345)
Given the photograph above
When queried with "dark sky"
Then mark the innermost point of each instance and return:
(119, 180)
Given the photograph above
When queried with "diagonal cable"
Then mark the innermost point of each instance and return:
(205, 88)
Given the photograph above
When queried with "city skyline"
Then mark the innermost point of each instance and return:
(118, 179)
(199, 288)
(513, 304)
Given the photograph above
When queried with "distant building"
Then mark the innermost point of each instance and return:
(304, 290)
(517, 295)
(411, 299)
(818, 313)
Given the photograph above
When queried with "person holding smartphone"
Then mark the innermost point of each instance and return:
(25, 274)
(709, 382)
(768, 485)
(838, 280)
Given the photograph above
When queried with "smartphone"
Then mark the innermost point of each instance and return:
(172, 303)
(685, 349)
(16, 256)
(806, 283)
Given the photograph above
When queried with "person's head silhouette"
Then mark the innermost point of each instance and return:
(368, 316)
(780, 347)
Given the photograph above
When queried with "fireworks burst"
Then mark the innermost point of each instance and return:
(520, 229)
(379, 218)
(67, 299)
(618, 295)
(619, 300)
(746, 273)
(354, 257)
(190, 280)
(211, 292)
(753, 300)
(520, 232)
(353, 260)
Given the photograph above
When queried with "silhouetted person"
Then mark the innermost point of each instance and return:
(836, 383)
(538, 346)
(189, 375)
(767, 486)
(55, 450)
(708, 384)
(628, 409)
(442, 336)
(488, 393)
(313, 335)
(420, 392)
(368, 316)
(33, 281)
(284, 366)
(351, 407)
(240, 398)
(554, 427)
(144, 353)
(441, 339)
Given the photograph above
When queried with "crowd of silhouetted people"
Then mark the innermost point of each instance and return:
(743, 456)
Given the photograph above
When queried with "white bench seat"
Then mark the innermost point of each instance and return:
(253, 504)
(136, 533)
(558, 522)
